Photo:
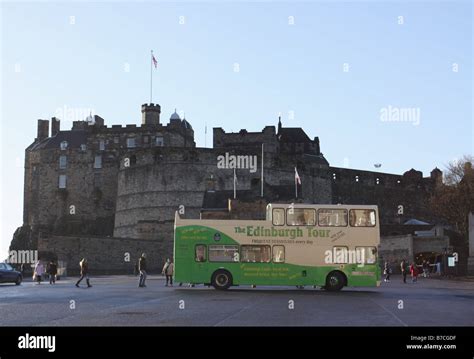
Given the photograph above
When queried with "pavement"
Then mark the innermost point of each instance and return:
(117, 301)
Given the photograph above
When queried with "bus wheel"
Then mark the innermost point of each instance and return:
(221, 279)
(335, 281)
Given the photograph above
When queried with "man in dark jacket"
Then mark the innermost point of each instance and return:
(403, 269)
(52, 271)
(84, 272)
(142, 268)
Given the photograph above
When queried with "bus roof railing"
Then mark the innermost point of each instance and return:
(321, 205)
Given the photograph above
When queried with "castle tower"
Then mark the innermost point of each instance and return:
(437, 176)
(151, 114)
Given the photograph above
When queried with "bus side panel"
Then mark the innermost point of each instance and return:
(182, 263)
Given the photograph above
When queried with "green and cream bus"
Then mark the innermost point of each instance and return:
(330, 246)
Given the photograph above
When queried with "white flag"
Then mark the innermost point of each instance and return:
(297, 177)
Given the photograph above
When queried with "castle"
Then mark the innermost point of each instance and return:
(93, 184)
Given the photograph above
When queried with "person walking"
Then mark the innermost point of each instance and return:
(168, 270)
(39, 272)
(142, 269)
(84, 272)
(52, 271)
(387, 271)
(403, 269)
(438, 267)
(426, 269)
(413, 272)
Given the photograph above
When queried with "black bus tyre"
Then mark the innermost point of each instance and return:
(221, 279)
(335, 281)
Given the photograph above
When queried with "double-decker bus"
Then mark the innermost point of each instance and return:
(329, 246)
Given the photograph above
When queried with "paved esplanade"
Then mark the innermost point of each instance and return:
(117, 300)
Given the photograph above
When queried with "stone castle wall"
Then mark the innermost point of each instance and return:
(106, 255)
(162, 180)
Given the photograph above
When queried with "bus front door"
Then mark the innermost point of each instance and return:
(200, 266)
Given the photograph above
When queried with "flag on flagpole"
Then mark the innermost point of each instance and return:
(153, 62)
(297, 177)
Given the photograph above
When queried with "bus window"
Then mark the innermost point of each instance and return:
(362, 217)
(223, 253)
(369, 254)
(200, 253)
(278, 217)
(332, 217)
(255, 254)
(301, 217)
(278, 254)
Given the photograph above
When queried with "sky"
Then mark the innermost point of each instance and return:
(340, 70)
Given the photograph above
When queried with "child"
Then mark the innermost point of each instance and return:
(414, 272)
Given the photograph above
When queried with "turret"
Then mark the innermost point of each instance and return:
(151, 114)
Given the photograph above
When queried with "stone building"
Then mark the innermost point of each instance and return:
(71, 176)
(110, 185)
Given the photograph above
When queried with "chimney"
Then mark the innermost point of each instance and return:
(55, 126)
(151, 114)
(43, 130)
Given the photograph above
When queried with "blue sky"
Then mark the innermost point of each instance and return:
(100, 60)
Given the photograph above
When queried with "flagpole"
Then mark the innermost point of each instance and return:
(296, 183)
(296, 186)
(261, 180)
(151, 77)
(235, 190)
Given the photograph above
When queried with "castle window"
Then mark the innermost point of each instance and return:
(63, 145)
(377, 180)
(334, 177)
(62, 162)
(131, 142)
(116, 140)
(83, 147)
(159, 141)
(98, 161)
(357, 178)
(398, 181)
(102, 145)
(62, 181)
(146, 139)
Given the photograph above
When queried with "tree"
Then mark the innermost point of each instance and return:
(454, 199)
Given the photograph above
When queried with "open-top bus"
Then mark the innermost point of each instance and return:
(330, 246)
